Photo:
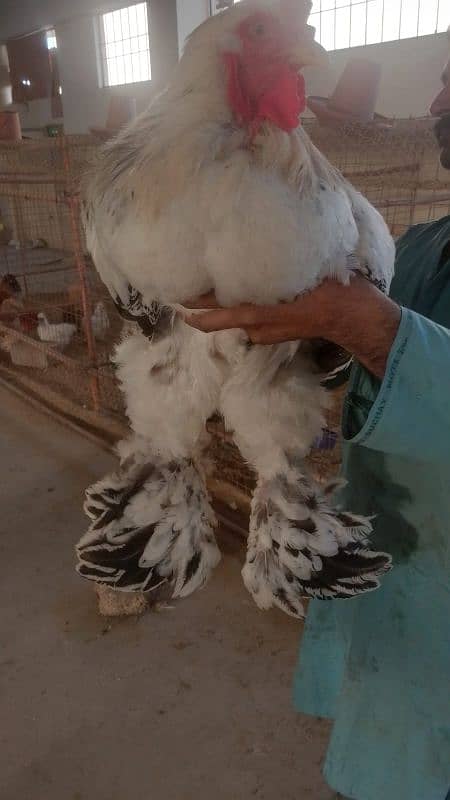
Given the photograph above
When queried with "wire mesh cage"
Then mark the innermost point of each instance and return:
(57, 322)
(58, 325)
(396, 167)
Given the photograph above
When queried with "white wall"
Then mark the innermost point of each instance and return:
(411, 73)
(191, 13)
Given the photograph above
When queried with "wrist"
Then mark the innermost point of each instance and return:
(364, 322)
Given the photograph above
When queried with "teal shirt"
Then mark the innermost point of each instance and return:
(379, 665)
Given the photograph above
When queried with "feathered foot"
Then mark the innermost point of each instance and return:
(300, 546)
(152, 525)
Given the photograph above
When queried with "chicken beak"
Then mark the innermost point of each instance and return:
(307, 52)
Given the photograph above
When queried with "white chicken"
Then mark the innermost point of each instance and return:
(217, 186)
(100, 321)
(58, 334)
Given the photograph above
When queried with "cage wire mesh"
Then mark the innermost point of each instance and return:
(58, 325)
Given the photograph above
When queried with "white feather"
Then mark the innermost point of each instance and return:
(59, 334)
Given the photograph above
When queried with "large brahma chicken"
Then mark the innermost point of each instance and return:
(217, 186)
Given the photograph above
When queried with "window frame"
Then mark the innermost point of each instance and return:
(404, 13)
(50, 36)
(213, 10)
(101, 46)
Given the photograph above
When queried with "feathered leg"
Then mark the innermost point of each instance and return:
(299, 545)
(152, 522)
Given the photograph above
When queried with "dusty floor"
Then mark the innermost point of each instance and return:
(191, 703)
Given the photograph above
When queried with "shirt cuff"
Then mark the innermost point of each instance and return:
(369, 403)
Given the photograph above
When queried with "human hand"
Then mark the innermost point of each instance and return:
(309, 316)
(357, 317)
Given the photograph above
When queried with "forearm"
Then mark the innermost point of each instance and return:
(366, 324)
(356, 317)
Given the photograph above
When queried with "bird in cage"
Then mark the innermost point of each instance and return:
(100, 321)
(58, 335)
(218, 187)
(10, 288)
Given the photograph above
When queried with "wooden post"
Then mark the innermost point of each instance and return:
(74, 211)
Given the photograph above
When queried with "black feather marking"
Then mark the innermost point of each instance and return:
(353, 563)
(192, 567)
(103, 499)
(281, 595)
(154, 320)
(119, 565)
(112, 493)
(94, 511)
(337, 592)
(307, 525)
(97, 574)
(189, 493)
(154, 580)
(107, 554)
(144, 579)
(115, 511)
(112, 552)
(350, 572)
(311, 502)
(339, 376)
(347, 520)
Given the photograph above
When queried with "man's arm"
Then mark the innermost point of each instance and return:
(357, 317)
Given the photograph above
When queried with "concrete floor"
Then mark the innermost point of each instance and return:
(184, 704)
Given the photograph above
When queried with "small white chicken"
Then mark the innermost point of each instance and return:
(100, 321)
(218, 187)
(57, 334)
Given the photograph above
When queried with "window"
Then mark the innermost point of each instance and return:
(220, 5)
(31, 67)
(349, 23)
(52, 44)
(125, 46)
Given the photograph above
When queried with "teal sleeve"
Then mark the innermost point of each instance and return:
(410, 415)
